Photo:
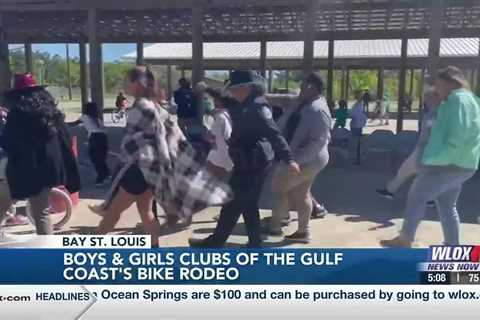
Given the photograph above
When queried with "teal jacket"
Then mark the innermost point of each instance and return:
(455, 137)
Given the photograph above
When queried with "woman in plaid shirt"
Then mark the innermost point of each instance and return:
(130, 185)
(157, 162)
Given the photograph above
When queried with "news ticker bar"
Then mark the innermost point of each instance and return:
(185, 302)
(450, 278)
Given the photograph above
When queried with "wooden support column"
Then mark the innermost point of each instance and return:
(309, 35)
(140, 60)
(342, 84)
(197, 43)
(4, 60)
(420, 90)
(270, 80)
(347, 84)
(380, 82)
(69, 75)
(28, 57)
(401, 84)
(263, 58)
(287, 77)
(169, 82)
(412, 78)
(96, 61)
(437, 12)
(331, 66)
(82, 46)
(471, 75)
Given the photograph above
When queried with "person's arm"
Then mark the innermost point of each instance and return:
(456, 122)
(13, 134)
(351, 112)
(177, 97)
(74, 123)
(269, 130)
(223, 134)
(318, 137)
(448, 133)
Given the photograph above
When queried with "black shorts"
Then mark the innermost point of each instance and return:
(133, 181)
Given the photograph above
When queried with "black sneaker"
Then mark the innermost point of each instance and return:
(254, 245)
(319, 211)
(172, 220)
(299, 237)
(431, 204)
(384, 193)
(202, 243)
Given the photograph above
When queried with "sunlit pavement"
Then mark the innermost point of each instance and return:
(357, 218)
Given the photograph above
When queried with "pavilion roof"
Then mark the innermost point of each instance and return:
(231, 20)
(370, 49)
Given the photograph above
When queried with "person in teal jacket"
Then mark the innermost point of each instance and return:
(450, 158)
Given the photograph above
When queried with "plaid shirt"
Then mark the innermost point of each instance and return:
(156, 144)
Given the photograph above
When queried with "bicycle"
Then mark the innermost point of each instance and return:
(118, 114)
(60, 208)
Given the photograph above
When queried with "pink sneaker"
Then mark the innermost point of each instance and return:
(17, 220)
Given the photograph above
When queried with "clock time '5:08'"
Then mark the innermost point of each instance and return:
(436, 278)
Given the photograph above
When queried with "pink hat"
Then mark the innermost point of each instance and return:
(24, 82)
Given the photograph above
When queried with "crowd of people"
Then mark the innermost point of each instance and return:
(160, 168)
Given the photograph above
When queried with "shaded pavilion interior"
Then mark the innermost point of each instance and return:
(199, 21)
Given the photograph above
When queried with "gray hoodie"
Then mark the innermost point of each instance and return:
(309, 144)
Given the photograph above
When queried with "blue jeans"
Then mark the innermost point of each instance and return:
(443, 185)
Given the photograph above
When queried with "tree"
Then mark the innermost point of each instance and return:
(115, 73)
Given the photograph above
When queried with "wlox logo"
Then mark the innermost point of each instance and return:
(454, 254)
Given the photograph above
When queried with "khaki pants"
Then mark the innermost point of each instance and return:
(292, 191)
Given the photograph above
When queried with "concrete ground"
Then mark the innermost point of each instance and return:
(357, 218)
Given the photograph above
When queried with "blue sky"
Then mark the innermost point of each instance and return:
(111, 52)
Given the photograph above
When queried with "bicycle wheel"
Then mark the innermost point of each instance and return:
(60, 219)
(60, 213)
